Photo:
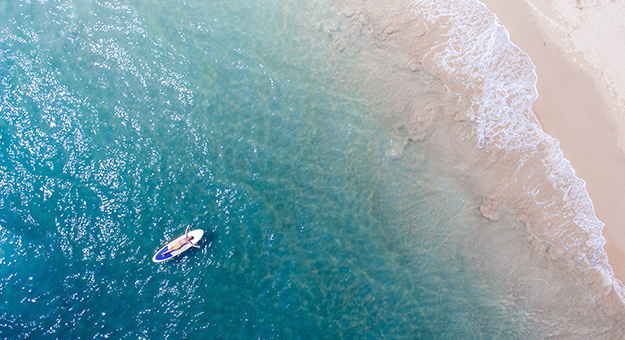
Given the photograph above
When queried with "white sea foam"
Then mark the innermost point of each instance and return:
(477, 61)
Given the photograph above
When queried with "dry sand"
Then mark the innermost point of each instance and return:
(576, 46)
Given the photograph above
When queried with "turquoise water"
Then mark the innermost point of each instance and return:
(124, 122)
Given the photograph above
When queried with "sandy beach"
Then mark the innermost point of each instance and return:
(581, 91)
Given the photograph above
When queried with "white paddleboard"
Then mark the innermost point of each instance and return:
(196, 237)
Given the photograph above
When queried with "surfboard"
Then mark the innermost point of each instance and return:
(159, 257)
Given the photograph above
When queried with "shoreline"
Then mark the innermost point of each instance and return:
(576, 107)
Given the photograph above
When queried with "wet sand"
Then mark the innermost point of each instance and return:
(578, 101)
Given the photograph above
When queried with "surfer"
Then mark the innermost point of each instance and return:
(179, 244)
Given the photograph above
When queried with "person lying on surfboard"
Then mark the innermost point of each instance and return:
(181, 243)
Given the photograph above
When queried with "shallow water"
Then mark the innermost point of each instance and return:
(123, 122)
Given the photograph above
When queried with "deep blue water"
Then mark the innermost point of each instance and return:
(123, 122)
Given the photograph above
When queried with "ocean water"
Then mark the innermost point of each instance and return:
(354, 176)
